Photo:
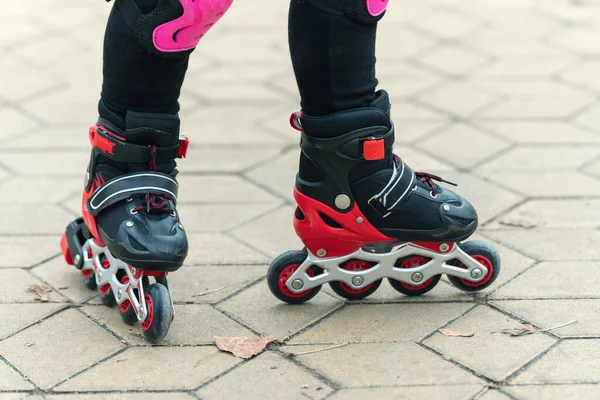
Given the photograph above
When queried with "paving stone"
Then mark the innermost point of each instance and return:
(61, 105)
(19, 316)
(64, 278)
(217, 159)
(413, 131)
(583, 75)
(189, 285)
(569, 362)
(194, 324)
(20, 29)
(246, 49)
(382, 323)
(240, 92)
(14, 284)
(589, 117)
(397, 42)
(15, 123)
(61, 163)
(217, 248)
(74, 138)
(454, 60)
(410, 110)
(19, 219)
(444, 97)
(492, 394)
(522, 67)
(539, 183)
(279, 174)
(382, 364)
(546, 159)
(38, 83)
(510, 46)
(550, 392)
(51, 50)
(552, 244)
(11, 380)
(153, 368)
(403, 79)
(39, 190)
(509, 353)
(273, 233)
(422, 161)
(533, 132)
(220, 189)
(554, 280)
(593, 169)
(454, 392)
(448, 142)
(544, 107)
(578, 40)
(19, 396)
(259, 309)
(220, 217)
(447, 24)
(246, 382)
(123, 396)
(68, 336)
(547, 213)
(18, 251)
(442, 292)
(550, 313)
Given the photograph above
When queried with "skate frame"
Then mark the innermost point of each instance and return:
(300, 281)
(121, 291)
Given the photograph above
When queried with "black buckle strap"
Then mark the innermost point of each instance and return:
(356, 148)
(124, 186)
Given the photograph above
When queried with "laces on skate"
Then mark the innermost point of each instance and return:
(429, 179)
(154, 203)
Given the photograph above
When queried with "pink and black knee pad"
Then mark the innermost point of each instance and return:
(173, 26)
(365, 12)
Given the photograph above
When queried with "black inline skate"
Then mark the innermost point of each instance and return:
(364, 215)
(130, 229)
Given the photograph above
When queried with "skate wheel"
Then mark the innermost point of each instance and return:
(355, 294)
(89, 279)
(126, 310)
(160, 314)
(484, 254)
(64, 247)
(279, 272)
(107, 296)
(407, 288)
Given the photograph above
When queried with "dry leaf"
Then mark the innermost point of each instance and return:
(453, 333)
(244, 347)
(527, 329)
(43, 292)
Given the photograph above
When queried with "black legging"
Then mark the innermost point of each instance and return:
(333, 59)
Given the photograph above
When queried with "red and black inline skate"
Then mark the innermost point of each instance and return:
(130, 230)
(364, 215)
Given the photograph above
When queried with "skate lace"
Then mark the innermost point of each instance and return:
(429, 179)
(154, 203)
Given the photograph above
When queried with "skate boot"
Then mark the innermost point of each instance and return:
(364, 215)
(130, 229)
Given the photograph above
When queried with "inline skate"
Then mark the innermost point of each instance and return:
(130, 230)
(364, 215)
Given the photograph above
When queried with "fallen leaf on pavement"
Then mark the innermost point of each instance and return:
(527, 329)
(451, 332)
(244, 347)
(43, 292)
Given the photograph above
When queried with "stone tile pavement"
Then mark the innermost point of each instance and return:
(501, 96)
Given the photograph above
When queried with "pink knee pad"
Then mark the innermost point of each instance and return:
(185, 32)
(376, 7)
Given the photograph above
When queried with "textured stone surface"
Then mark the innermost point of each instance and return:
(454, 392)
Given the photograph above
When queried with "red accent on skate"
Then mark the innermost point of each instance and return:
(100, 142)
(295, 121)
(124, 306)
(89, 219)
(64, 246)
(486, 263)
(87, 273)
(317, 234)
(285, 275)
(374, 149)
(411, 262)
(183, 147)
(150, 317)
(104, 289)
(155, 273)
(356, 265)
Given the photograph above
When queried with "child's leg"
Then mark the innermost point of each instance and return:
(351, 190)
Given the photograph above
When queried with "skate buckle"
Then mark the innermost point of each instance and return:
(184, 143)
(373, 149)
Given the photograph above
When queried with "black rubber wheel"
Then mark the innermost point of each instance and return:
(486, 255)
(414, 290)
(89, 279)
(107, 296)
(281, 269)
(348, 292)
(160, 314)
(127, 313)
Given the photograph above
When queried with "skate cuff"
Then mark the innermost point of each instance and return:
(116, 148)
(124, 186)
